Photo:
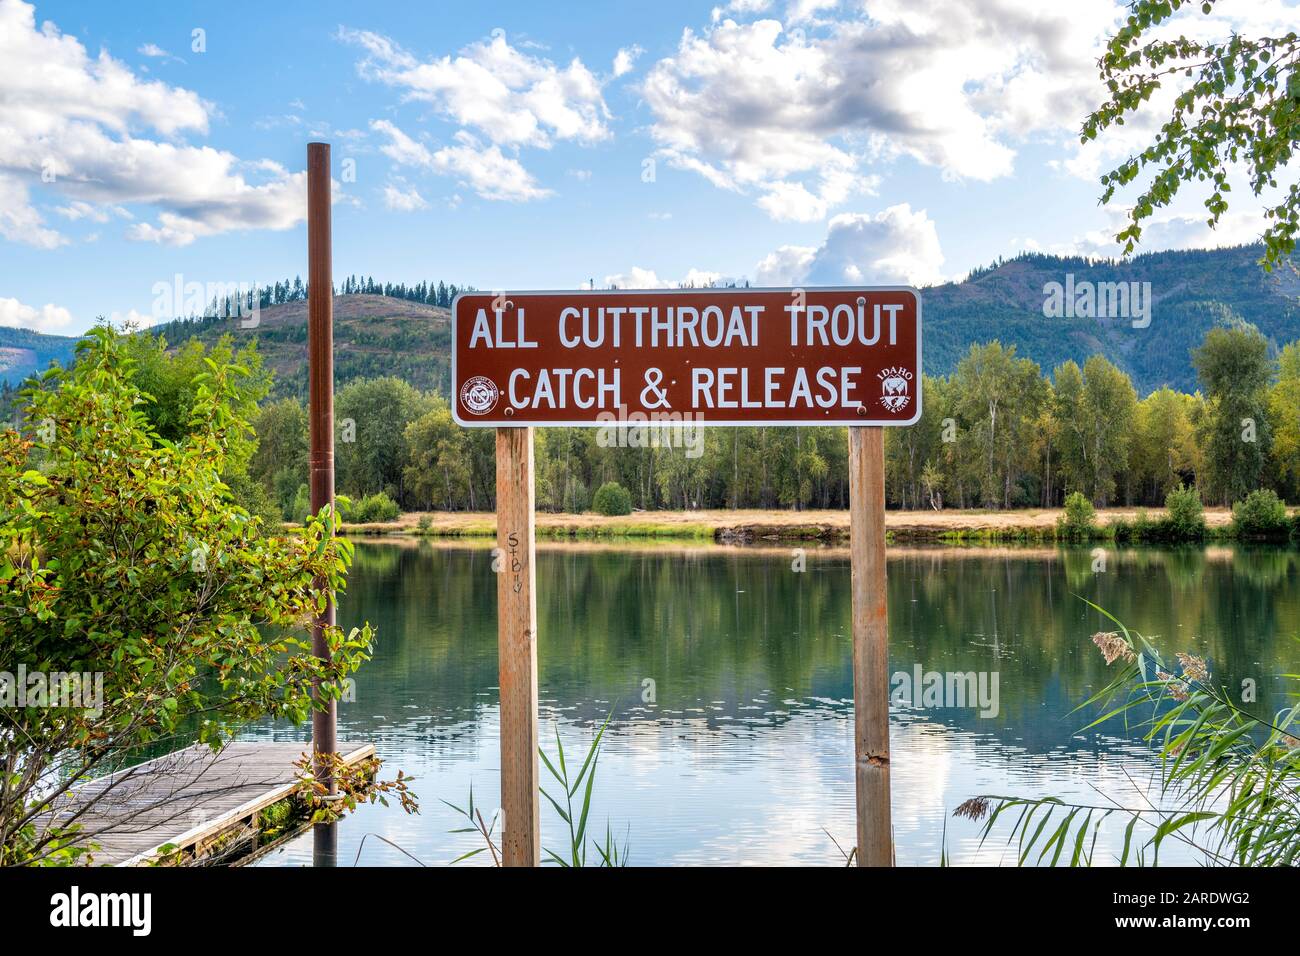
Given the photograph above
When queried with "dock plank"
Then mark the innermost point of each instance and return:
(185, 797)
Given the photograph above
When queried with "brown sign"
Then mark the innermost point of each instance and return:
(818, 356)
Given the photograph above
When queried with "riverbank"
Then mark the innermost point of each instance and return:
(1036, 524)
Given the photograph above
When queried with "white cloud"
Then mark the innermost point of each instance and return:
(787, 265)
(48, 318)
(508, 97)
(741, 7)
(625, 59)
(638, 278)
(1165, 230)
(19, 220)
(82, 210)
(486, 170)
(400, 148)
(795, 115)
(896, 246)
(500, 98)
(154, 51)
(797, 11)
(403, 200)
(71, 127)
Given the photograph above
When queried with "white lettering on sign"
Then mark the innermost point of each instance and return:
(500, 341)
(731, 356)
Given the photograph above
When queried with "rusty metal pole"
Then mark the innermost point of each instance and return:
(320, 365)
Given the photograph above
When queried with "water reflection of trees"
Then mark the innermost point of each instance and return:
(737, 627)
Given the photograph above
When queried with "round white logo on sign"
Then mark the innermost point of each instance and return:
(479, 395)
(894, 387)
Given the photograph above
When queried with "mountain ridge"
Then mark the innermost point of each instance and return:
(1190, 292)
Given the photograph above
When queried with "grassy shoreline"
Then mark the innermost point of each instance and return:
(956, 526)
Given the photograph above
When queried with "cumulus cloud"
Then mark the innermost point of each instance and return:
(47, 318)
(485, 169)
(897, 246)
(625, 59)
(19, 220)
(1167, 230)
(403, 200)
(639, 278)
(508, 97)
(500, 97)
(72, 125)
(794, 116)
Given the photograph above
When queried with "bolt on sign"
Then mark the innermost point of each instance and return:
(816, 356)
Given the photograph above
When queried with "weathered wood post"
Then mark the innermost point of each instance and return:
(870, 644)
(517, 647)
(320, 355)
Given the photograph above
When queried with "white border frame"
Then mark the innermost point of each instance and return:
(699, 418)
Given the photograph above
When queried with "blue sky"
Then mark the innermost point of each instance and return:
(507, 145)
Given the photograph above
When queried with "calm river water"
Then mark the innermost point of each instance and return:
(728, 674)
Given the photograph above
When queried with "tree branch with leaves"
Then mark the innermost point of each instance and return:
(1241, 106)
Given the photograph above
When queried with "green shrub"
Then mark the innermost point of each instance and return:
(611, 498)
(1125, 532)
(1185, 518)
(1261, 515)
(1079, 521)
(371, 508)
(252, 497)
(301, 507)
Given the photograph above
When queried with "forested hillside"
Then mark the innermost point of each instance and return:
(1191, 292)
(1020, 408)
(401, 330)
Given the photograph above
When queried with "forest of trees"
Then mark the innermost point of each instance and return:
(997, 433)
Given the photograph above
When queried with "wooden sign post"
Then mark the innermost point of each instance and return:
(870, 644)
(650, 358)
(517, 647)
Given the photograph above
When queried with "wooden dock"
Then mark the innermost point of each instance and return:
(191, 802)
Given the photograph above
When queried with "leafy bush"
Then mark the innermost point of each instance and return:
(371, 508)
(1185, 521)
(124, 556)
(1185, 518)
(1079, 521)
(611, 498)
(1261, 515)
